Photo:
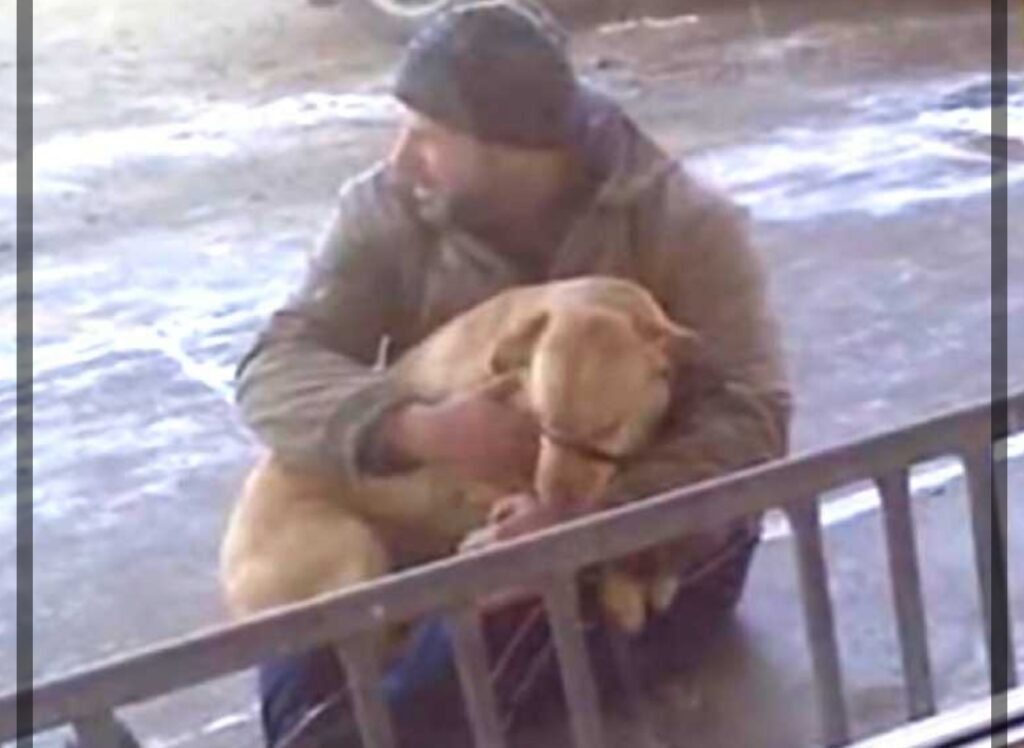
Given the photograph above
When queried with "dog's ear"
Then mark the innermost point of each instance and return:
(680, 343)
(683, 346)
(503, 386)
(695, 370)
(515, 349)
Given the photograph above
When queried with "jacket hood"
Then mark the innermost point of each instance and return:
(625, 161)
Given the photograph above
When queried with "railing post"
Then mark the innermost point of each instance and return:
(819, 620)
(561, 598)
(86, 699)
(360, 655)
(474, 674)
(648, 726)
(988, 525)
(905, 577)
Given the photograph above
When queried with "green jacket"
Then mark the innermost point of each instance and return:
(310, 390)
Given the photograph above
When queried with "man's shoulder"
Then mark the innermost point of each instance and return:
(641, 177)
(689, 199)
(679, 204)
(685, 224)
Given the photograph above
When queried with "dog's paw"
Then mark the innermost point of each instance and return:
(662, 591)
(508, 508)
(479, 539)
(624, 601)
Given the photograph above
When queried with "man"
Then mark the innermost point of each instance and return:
(507, 170)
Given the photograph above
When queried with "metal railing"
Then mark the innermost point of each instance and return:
(967, 726)
(548, 563)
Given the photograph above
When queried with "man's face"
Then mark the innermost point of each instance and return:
(449, 171)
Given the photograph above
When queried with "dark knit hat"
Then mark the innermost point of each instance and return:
(494, 71)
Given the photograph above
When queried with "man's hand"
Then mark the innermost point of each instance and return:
(512, 517)
(475, 435)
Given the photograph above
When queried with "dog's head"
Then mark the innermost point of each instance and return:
(599, 381)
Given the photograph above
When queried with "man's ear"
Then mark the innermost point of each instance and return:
(515, 349)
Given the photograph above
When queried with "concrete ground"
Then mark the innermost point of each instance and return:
(751, 684)
(186, 157)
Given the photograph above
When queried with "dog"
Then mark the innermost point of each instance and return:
(591, 359)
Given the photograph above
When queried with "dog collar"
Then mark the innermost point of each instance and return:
(587, 450)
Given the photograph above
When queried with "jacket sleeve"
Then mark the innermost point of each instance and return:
(309, 388)
(709, 278)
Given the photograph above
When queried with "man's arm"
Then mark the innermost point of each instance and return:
(709, 278)
(308, 388)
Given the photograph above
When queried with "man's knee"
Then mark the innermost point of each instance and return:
(302, 702)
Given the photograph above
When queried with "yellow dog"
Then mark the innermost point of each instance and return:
(591, 359)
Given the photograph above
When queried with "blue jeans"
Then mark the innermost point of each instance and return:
(304, 701)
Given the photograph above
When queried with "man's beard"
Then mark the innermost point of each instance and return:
(473, 212)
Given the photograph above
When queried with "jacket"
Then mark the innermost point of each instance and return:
(386, 274)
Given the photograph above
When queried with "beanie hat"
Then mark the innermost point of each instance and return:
(494, 71)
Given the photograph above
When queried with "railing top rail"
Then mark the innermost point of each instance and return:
(558, 550)
(956, 726)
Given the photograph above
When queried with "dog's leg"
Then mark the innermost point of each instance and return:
(623, 599)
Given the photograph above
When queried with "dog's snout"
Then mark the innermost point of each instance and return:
(567, 478)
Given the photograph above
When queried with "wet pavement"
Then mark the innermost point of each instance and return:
(752, 684)
(174, 212)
